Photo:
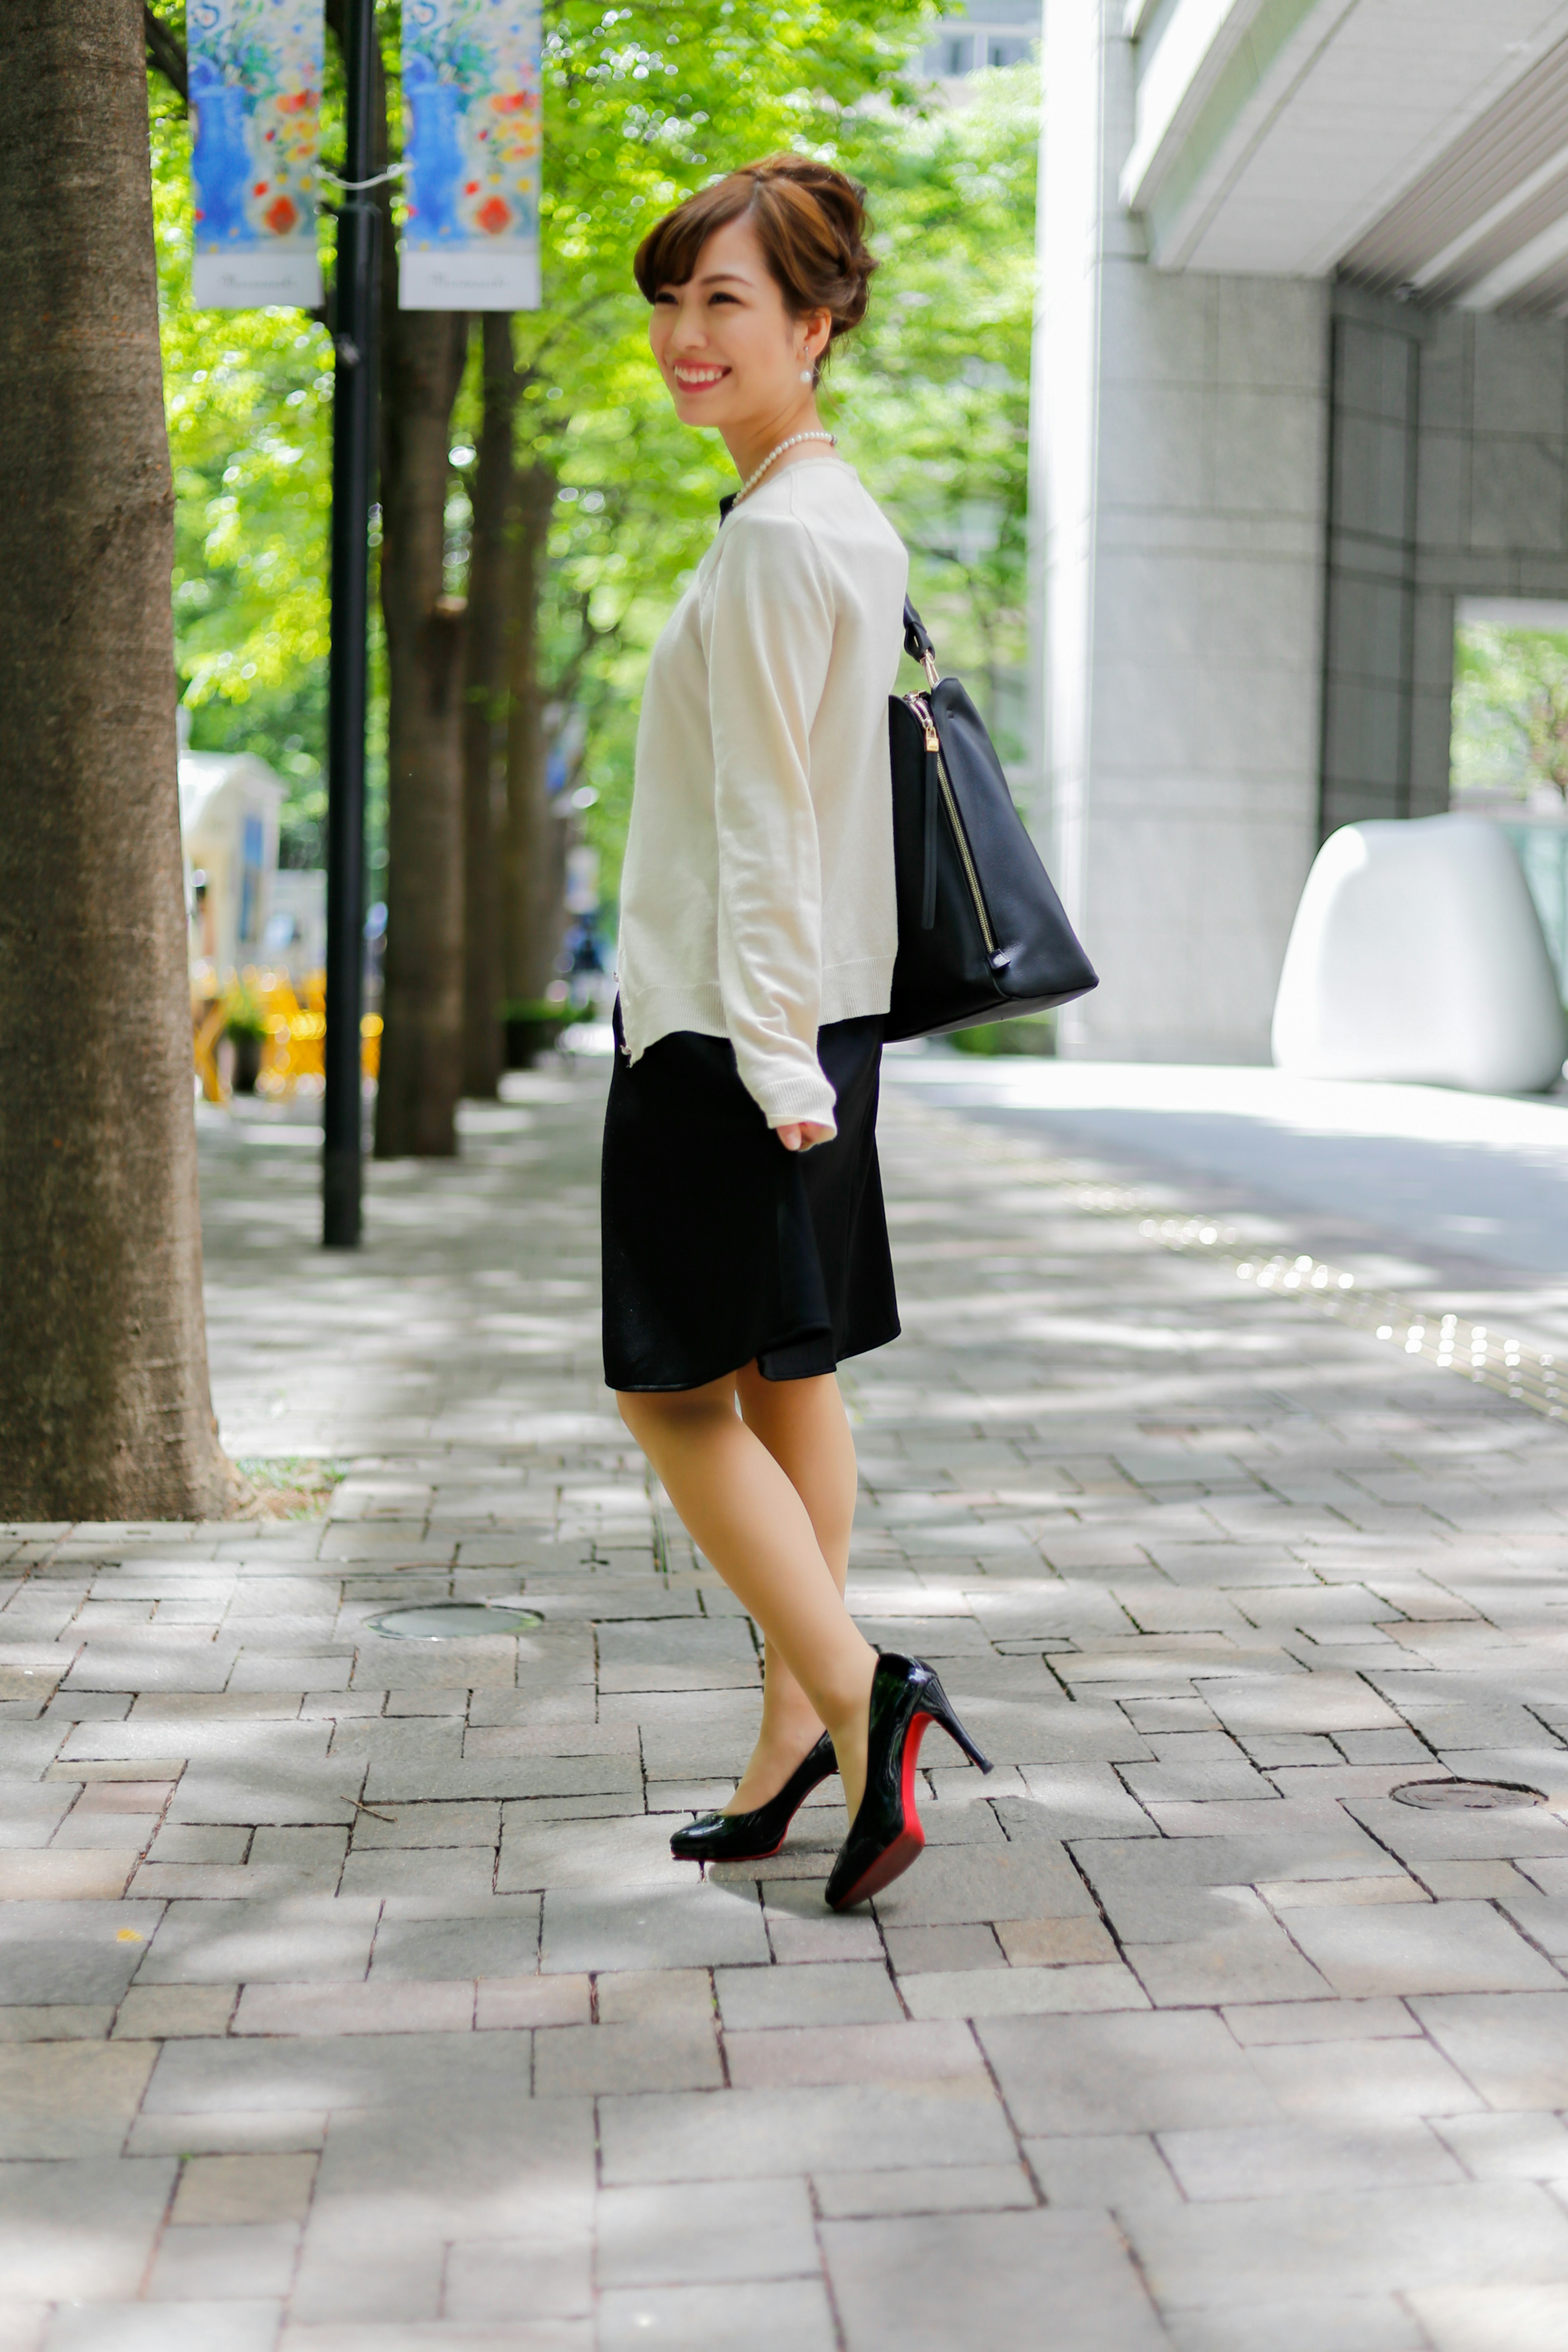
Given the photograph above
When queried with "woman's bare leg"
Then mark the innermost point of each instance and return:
(803, 1426)
(742, 1509)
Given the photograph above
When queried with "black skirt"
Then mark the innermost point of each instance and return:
(720, 1248)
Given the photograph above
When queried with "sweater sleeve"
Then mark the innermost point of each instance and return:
(770, 638)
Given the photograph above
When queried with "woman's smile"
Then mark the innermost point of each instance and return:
(694, 377)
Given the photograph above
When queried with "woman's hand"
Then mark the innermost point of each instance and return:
(800, 1134)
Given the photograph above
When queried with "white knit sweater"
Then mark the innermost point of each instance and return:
(757, 897)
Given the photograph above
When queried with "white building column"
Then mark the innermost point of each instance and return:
(1180, 432)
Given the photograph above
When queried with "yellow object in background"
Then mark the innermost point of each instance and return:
(295, 1030)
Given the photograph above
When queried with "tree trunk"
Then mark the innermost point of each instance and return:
(484, 714)
(422, 1003)
(530, 860)
(105, 1411)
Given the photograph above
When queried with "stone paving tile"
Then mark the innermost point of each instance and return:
(1246, 1956)
(786, 2056)
(398, 2186)
(932, 2189)
(82, 2228)
(299, 2075)
(435, 2335)
(238, 2325)
(1302, 2159)
(989, 2278)
(1359, 2324)
(1479, 2319)
(244, 2189)
(385, 1939)
(156, 2012)
(56, 2021)
(608, 1927)
(848, 1994)
(61, 1876)
(1123, 2073)
(327, 2010)
(750, 2134)
(262, 1942)
(69, 2098)
(1054, 1943)
(801, 1931)
(705, 2233)
(630, 2057)
(1513, 2046)
(1021, 1991)
(787, 2316)
(1319, 2021)
(503, 2004)
(247, 2260)
(1110, 2170)
(1435, 1948)
(498, 2279)
(272, 2131)
(1372, 2240)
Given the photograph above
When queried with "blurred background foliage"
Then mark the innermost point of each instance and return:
(1509, 711)
(929, 399)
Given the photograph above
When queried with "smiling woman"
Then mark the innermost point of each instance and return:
(806, 222)
(746, 1249)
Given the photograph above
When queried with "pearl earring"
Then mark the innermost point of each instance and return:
(807, 376)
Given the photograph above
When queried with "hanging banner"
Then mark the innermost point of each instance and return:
(471, 102)
(256, 101)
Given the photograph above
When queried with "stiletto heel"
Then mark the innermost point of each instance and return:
(749, 1837)
(940, 1709)
(886, 1836)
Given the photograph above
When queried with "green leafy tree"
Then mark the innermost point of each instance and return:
(642, 107)
(932, 392)
(248, 395)
(929, 401)
(610, 501)
(1511, 710)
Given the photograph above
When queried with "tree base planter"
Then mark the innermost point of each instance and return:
(529, 1036)
(246, 1060)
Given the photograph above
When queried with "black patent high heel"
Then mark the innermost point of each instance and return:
(748, 1837)
(886, 1835)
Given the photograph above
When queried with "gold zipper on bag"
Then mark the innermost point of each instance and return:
(921, 710)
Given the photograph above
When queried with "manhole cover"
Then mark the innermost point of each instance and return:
(453, 1621)
(1465, 1796)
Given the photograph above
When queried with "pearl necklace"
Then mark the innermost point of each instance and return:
(753, 480)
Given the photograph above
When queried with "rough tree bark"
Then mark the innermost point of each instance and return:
(422, 355)
(484, 712)
(105, 1412)
(421, 1004)
(531, 862)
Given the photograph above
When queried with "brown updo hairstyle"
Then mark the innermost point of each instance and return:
(810, 222)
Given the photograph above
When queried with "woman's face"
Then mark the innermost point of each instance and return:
(726, 346)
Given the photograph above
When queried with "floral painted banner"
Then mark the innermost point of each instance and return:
(256, 95)
(471, 94)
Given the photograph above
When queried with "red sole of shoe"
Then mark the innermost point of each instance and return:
(890, 1863)
(910, 1843)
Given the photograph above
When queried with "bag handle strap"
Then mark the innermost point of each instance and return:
(919, 647)
(918, 642)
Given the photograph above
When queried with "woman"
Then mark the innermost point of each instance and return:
(745, 1248)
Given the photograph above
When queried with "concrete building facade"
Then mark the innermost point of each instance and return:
(1301, 380)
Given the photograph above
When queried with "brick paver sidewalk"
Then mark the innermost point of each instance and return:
(354, 2003)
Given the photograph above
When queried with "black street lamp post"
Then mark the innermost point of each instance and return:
(354, 466)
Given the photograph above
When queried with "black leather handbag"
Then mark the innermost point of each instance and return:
(981, 934)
